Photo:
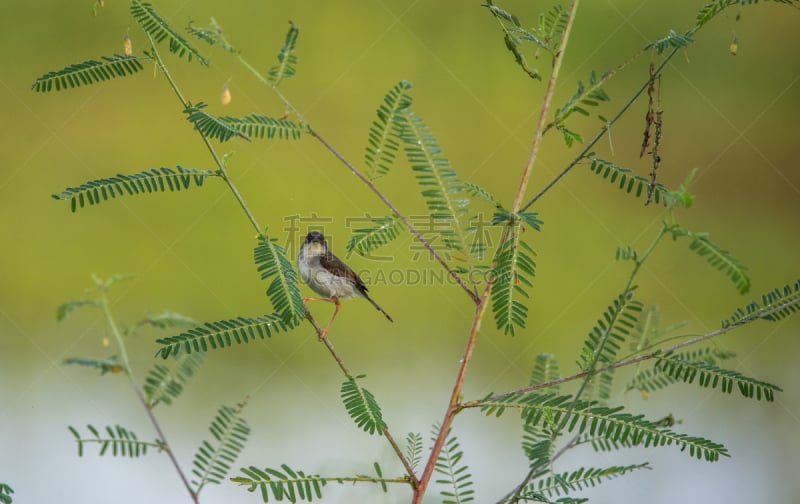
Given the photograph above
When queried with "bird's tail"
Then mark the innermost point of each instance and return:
(377, 307)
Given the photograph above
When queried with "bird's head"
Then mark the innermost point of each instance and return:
(315, 243)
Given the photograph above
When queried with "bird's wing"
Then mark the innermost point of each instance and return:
(340, 269)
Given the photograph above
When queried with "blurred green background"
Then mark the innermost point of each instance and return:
(732, 117)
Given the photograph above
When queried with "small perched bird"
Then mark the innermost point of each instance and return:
(328, 276)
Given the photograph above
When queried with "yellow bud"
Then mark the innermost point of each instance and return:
(225, 98)
(734, 46)
(126, 44)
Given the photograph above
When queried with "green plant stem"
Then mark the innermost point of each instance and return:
(365, 180)
(453, 406)
(223, 172)
(115, 330)
(129, 373)
(548, 98)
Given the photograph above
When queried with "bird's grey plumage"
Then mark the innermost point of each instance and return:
(327, 275)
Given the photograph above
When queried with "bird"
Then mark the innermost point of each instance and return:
(328, 276)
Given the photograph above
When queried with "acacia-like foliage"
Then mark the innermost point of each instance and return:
(589, 95)
(5, 493)
(775, 305)
(383, 141)
(166, 320)
(212, 462)
(362, 406)
(649, 380)
(109, 365)
(477, 191)
(716, 256)
(567, 482)
(512, 271)
(546, 35)
(611, 331)
(155, 26)
(292, 485)
(65, 309)
(286, 58)
(87, 73)
(284, 290)
(680, 369)
(441, 187)
(247, 128)
(213, 35)
(627, 181)
(537, 440)
(221, 334)
(116, 441)
(414, 449)
(671, 40)
(456, 474)
(367, 239)
(711, 9)
(96, 191)
(163, 384)
(610, 423)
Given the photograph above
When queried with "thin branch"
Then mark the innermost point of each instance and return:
(129, 373)
(323, 337)
(606, 128)
(639, 358)
(548, 98)
(223, 172)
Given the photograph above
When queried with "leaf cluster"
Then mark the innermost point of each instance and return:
(775, 305)
(385, 132)
(283, 291)
(163, 384)
(512, 273)
(116, 441)
(610, 423)
(221, 334)
(627, 181)
(609, 333)
(88, 72)
(155, 26)
(362, 406)
(5, 493)
(247, 128)
(96, 191)
(213, 462)
(456, 474)
(380, 232)
(579, 479)
(289, 484)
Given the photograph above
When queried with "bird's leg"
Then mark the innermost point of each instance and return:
(338, 305)
(327, 300)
